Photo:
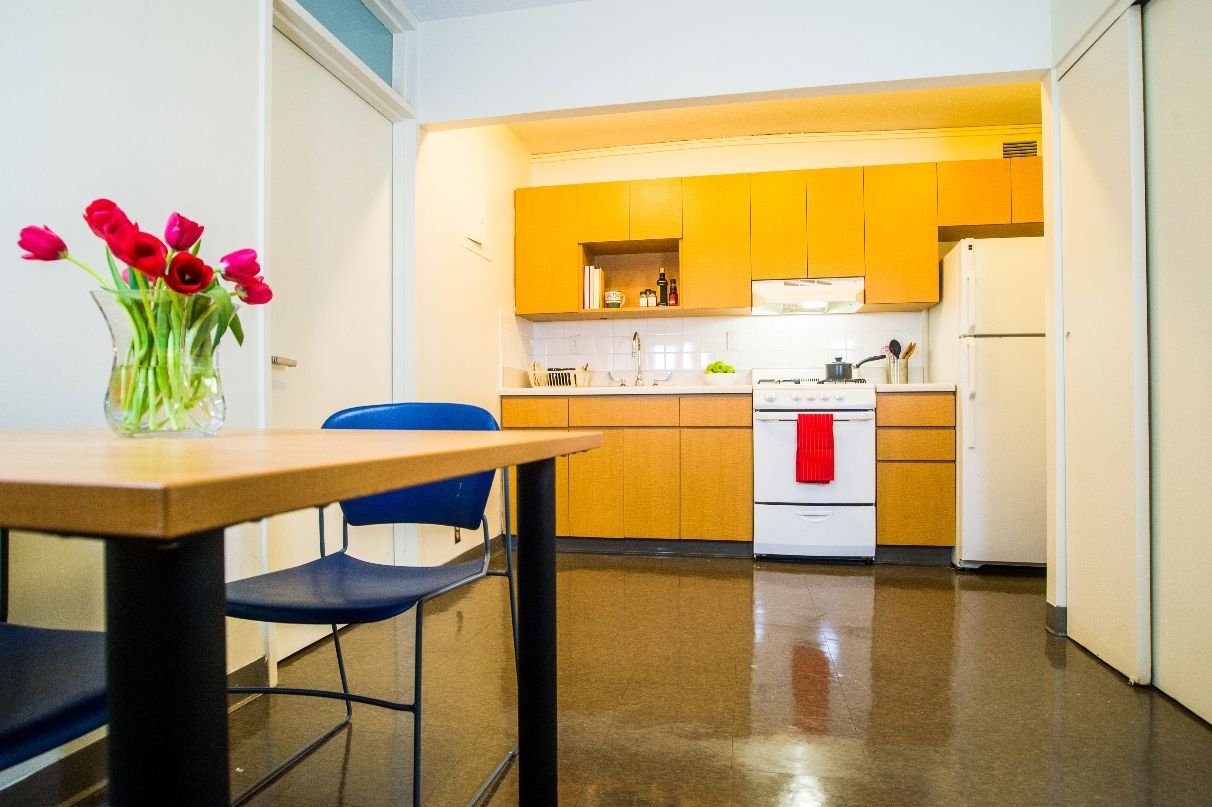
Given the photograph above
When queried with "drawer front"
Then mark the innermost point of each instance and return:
(717, 410)
(814, 530)
(915, 409)
(915, 503)
(534, 413)
(621, 410)
(915, 444)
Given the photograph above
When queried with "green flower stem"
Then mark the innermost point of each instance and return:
(165, 377)
(104, 283)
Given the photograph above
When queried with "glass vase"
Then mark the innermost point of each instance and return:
(165, 375)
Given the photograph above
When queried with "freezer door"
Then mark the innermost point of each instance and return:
(1001, 468)
(1002, 285)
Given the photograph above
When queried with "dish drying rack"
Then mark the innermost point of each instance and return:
(559, 376)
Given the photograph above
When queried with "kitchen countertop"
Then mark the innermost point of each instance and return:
(671, 389)
(915, 388)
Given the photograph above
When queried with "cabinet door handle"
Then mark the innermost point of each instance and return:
(283, 361)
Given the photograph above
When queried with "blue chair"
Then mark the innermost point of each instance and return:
(53, 686)
(338, 588)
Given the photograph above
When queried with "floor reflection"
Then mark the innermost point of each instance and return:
(728, 682)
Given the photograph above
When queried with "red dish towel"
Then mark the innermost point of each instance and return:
(814, 448)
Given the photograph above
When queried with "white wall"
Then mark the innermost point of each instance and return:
(463, 295)
(156, 106)
(1076, 23)
(599, 53)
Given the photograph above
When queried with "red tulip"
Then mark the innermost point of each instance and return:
(105, 218)
(41, 244)
(240, 266)
(188, 274)
(141, 250)
(180, 233)
(254, 291)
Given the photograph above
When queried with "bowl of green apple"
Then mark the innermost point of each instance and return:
(719, 374)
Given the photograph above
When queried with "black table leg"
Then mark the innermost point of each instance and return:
(166, 667)
(537, 752)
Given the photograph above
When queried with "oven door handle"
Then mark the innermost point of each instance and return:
(784, 417)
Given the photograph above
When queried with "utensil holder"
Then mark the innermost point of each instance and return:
(898, 371)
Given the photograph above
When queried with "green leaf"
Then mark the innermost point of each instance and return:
(225, 314)
(114, 272)
(237, 330)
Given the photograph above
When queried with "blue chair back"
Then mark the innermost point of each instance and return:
(452, 502)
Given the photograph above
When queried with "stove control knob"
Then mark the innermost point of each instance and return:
(839, 397)
(797, 396)
(811, 396)
(770, 396)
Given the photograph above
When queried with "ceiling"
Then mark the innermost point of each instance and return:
(426, 10)
(952, 107)
(936, 108)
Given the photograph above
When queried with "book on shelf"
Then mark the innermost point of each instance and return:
(591, 288)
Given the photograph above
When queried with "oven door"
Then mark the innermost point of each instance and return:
(774, 444)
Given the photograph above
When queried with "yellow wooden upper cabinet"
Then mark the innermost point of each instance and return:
(778, 245)
(639, 210)
(715, 242)
(999, 191)
(902, 234)
(1027, 189)
(836, 232)
(602, 212)
(655, 208)
(547, 276)
(974, 192)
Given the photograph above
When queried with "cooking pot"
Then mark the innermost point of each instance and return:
(838, 370)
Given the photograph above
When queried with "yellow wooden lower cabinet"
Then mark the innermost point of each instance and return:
(915, 469)
(669, 467)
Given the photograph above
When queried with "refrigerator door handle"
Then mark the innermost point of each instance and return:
(968, 299)
(969, 421)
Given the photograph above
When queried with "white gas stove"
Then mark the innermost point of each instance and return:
(824, 519)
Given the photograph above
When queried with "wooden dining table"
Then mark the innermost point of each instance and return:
(161, 506)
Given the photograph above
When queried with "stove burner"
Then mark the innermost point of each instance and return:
(789, 381)
(847, 381)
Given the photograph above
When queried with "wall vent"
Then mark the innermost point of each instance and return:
(1021, 148)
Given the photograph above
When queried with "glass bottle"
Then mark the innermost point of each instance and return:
(662, 288)
(673, 291)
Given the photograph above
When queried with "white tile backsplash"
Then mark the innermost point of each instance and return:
(690, 344)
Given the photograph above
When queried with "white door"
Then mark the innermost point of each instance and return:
(330, 248)
(1105, 344)
(1178, 80)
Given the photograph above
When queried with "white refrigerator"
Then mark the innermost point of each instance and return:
(986, 336)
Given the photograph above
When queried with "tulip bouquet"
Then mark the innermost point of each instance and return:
(167, 312)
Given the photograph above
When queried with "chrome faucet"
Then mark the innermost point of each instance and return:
(636, 347)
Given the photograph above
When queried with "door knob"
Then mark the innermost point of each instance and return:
(283, 361)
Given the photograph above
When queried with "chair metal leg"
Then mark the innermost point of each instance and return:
(494, 779)
(509, 573)
(416, 714)
(297, 757)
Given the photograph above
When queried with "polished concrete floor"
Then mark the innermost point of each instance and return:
(691, 681)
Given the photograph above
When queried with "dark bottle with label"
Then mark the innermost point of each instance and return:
(673, 291)
(662, 289)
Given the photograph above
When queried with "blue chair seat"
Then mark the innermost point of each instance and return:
(341, 589)
(52, 690)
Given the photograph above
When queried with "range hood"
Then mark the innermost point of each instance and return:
(823, 295)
